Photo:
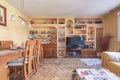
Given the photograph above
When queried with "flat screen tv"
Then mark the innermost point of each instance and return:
(75, 42)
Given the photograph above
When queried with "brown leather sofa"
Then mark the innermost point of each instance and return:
(111, 62)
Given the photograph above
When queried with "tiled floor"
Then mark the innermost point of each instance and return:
(57, 69)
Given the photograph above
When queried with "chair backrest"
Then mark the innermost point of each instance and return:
(39, 51)
(29, 50)
(6, 44)
(0, 47)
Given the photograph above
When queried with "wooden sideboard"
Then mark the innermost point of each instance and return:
(83, 52)
(49, 50)
(89, 53)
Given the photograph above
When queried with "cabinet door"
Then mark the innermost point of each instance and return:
(49, 51)
(44, 51)
(89, 53)
(93, 53)
(85, 53)
(53, 51)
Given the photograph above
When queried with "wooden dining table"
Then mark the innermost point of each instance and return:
(5, 57)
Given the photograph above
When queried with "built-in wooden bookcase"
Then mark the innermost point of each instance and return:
(86, 28)
(55, 30)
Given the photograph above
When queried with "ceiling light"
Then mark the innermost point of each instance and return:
(29, 24)
(23, 22)
(13, 18)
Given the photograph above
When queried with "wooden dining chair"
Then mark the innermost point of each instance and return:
(23, 68)
(39, 51)
(6, 44)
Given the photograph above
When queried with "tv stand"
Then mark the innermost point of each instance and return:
(89, 52)
(74, 49)
(73, 52)
(78, 52)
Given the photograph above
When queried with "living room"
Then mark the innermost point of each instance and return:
(68, 31)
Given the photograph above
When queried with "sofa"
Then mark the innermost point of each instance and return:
(111, 61)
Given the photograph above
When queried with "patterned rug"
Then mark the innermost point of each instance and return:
(91, 61)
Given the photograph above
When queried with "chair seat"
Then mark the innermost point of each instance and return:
(22, 59)
(18, 60)
(15, 64)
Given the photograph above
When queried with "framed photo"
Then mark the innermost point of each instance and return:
(2, 15)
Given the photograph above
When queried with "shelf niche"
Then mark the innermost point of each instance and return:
(69, 26)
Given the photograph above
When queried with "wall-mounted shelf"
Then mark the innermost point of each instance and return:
(88, 21)
(44, 20)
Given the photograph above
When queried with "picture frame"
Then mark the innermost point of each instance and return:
(3, 15)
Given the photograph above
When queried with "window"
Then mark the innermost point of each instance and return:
(118, 26)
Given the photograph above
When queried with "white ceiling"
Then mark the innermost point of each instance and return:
(65, 7)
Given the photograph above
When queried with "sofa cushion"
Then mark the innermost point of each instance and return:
(115, 56)
(116, 63)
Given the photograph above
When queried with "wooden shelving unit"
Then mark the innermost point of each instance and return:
(61, 41)
(58, 28)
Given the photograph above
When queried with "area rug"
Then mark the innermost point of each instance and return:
(91, 61)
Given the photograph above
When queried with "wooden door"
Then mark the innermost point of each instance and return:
(99, 35)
